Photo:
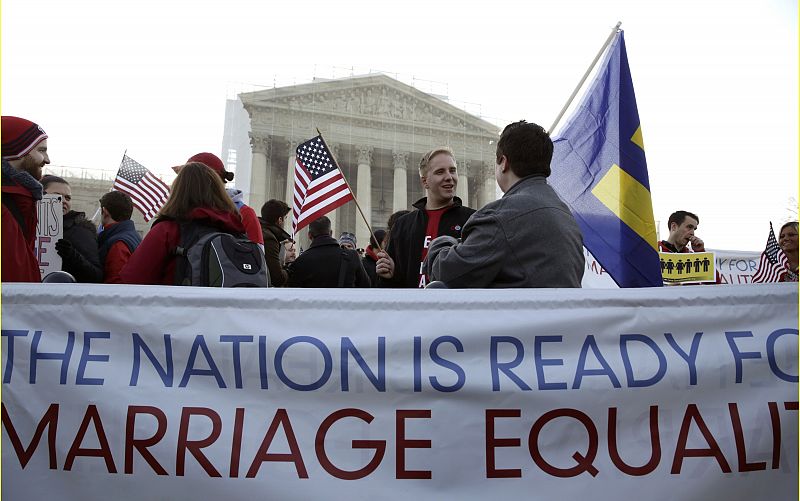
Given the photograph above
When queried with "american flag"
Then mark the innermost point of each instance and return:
(774, 264)
(319, 186)
(147, 191)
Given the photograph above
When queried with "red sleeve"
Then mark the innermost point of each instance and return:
(153, 261)
(251, 224)
(118, 255)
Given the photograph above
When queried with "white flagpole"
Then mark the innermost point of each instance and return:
(585, 76)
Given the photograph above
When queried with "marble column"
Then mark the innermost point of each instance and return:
(400, 191)
(364, 193)
(489, 184)
(262, 147)
(462, 189)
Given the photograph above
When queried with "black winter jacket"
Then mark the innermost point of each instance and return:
(84, 262)
(319, 266)
(408, 236)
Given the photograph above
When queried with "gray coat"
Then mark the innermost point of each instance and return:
(528, 238)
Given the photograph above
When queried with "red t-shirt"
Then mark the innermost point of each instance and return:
(431, 232)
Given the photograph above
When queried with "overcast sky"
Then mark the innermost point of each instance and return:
(716, 82)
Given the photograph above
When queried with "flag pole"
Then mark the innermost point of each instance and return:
(585, 76)
(369, 227)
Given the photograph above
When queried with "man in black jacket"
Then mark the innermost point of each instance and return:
(279, 248)
(440, 213)
(325, 264)
(78, 249)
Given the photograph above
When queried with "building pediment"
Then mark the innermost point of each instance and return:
(373, 97)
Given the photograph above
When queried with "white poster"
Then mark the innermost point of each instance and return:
(49, 230)
(145, 392)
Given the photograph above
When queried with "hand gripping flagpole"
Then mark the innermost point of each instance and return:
(585, 76)
(369, 227)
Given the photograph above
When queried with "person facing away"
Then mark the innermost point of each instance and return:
(119, 238)
(439, 213)
(682, 225)
(370, 259)
(279, 250)
(24, 151)
(325, 263)
(528, 238)
(78, 249)
(249, 218)
(197, 195)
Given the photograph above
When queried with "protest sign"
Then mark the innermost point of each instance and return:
(182, 393)
(687, 268)
(49, 230)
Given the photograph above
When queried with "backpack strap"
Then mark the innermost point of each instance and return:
(189, 235)
(12, 206)
(344, 265)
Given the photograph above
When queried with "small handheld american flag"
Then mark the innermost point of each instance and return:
(148, 192)
(774, 263)
(319, 186)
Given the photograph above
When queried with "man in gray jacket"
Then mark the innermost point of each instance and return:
(528, 238)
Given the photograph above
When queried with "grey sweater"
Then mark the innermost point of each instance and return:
(528, 238)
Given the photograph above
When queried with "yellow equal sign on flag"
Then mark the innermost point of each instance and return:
(688, 267)
(630, 201)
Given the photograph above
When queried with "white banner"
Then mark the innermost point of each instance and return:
(145, 392)
(734, 267)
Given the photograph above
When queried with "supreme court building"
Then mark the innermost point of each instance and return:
(377, 127)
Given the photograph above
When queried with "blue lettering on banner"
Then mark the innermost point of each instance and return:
(10, 334)
(438, 360)
(505, 367)
(626, 361)
(87, 357)
(738, 356)
(236, 341)
(691, 357)
(590, 344)
(379, 381)
(166, 374)
(773, 364)
(326, 356)
(63, 357)
(542, 362)
(200, 344)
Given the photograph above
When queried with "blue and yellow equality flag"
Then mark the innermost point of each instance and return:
(600, 171)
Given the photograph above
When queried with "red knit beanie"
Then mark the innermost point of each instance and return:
(19, 136)
(214, 162)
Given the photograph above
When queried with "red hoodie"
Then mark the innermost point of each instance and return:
(153, 262)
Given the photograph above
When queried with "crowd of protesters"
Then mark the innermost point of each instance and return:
(528, 238)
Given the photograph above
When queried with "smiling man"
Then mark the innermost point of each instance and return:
(24, 151)
(528, 238)
(439, 213)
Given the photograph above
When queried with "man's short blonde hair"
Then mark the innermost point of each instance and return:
(426, 158)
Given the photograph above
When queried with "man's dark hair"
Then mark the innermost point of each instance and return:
(49, 179)
(319, 227)
(119, 205)
(527, 147)
(274, 209)
(679, 216)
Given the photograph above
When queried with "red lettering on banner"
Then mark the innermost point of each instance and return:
(281, 419)
(195, 446)
(141, 444)
(584, 461)
(738, 435)
(49, 420)
(492, 443)
(655, 445)
(403, 443)
(681, 452)
(236, 443)
(324, 460)
(104, 451)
